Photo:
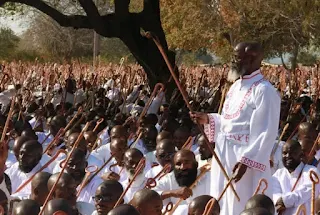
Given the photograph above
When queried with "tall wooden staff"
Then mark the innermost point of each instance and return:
(185, 98)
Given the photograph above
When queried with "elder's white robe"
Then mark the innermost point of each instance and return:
(283, 182)
(245, 132)
(138, 184)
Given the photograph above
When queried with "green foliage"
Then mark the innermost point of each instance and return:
(307, 58)
(8, 43)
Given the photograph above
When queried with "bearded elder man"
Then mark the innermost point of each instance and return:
(245, 131)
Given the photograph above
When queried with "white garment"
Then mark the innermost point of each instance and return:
(181, 210)
(102, 153)
(156, 103)
(5, 98)
(137, 185)
(85, 208)
(151, 157)
(89, 190)
(133, 95)
(277, 158)
(317, 156)
(169, 182)
(112, 167)
(11, 159)
(79, 96)
(283, 182)
(104, 136)
(18, 177)
(243, 133)
(153, 172)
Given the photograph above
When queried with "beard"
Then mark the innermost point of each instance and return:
(235, 73)
(185, 178)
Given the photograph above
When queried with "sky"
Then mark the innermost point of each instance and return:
(13, 22)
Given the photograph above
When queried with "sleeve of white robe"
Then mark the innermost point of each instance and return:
(213, 127)
(276, 187)
(263, 128)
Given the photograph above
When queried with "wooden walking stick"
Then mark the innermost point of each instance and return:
(301, 209)
(98, 124)
(152, 182)
(209, 207)
(185, 98)
(278, 143)
(168, 208)
(188, 143)
(64, 167)
(315, 180)
(204, 170)
(225, 188)
(259, 186)
(89, 170)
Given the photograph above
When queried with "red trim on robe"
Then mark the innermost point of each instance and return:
(253, 164)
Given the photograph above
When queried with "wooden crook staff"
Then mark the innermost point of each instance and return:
(278, 143)
(89, 170)
(64, 167)
(262, 180)
(152, 182)
(159, 87)
(98, 124)
(185, 98)
(188, 143)
(209, 207)
(315, 180)
(301, 209)
(204, 170)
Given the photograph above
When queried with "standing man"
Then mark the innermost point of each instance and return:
(245, 131)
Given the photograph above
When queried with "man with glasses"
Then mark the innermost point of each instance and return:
(165, 151)
(106, 196)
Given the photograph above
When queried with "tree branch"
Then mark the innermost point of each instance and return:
(94, 17)
(75, 21)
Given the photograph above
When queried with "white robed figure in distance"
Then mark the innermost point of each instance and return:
(245, 131)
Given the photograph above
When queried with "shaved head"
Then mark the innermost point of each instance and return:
(39, 187)
(261, 201)
(26, 207)
(56, 205)
(197, 205)
(163, 135)
(124, 209)
(147, 202)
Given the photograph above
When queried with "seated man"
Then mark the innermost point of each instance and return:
(106, 196)
(26, 207)
(176, 184)
(76, 168)
(114, 169)
(28, 164)
(124, 210)
(131, 160)
(92, 160)
(39, 187)
(198, 205)
(261, 201)
(56, 205)
(147, 202)
(306, 147)
(286, 195)
(205, 154)
(66, 189)
(165, 151)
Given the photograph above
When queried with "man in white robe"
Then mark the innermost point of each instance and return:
(291, 184)
(28, 164)
(175, 185)
(245, 131)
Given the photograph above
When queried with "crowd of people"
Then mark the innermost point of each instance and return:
(97, 141)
